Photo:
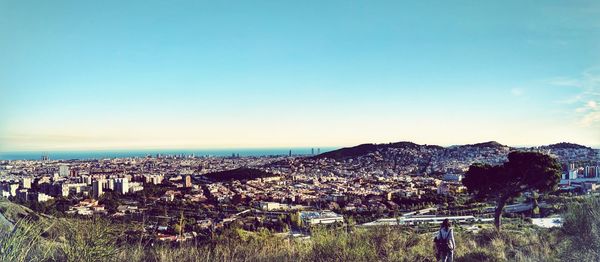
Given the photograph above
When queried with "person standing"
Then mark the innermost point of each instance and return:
(444, 242)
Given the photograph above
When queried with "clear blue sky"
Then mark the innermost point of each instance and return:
(210, 74)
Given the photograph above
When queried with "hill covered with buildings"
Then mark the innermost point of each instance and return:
(411, 158)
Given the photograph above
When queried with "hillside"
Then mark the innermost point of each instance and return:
(565, 145)
(102, 240)
(237, 174)
(411, 158)
(490, 144)
(10, 213)
(365, 149)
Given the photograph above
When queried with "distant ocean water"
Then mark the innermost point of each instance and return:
(101, 154)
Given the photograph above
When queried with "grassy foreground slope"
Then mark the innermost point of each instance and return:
(10, 213)
(99, 240)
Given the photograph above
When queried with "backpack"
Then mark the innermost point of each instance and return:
(443, 244)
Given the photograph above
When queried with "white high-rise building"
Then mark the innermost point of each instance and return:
(41, 197)
(97, 188)
(109, 184)
(86, 180)
(64, 190)
(26, 182)
(12, 188)
(63, 170)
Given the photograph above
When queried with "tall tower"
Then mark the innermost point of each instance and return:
(587, 172)
(97, 188)
(122, 185)
(598, 165)
(26, 182)
(188, 181)
(63, 170)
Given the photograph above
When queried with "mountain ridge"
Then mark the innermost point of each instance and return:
(364, 149)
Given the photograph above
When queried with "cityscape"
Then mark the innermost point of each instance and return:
(299, 131)
(367, 184)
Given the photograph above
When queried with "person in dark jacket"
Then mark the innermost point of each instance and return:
(444, 242)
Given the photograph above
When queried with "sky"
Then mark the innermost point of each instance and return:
(83, 75)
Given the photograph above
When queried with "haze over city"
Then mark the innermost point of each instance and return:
(152, 74)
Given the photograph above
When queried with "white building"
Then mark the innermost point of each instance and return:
(426, 219)
(97, 188)
(86, 180)
(64, 190)
(453, 177)
(26, 182)
(75, 188)
(135, 187)
(153, 179)
(270, 206)
(310, 218)
(109, 184)
(12, 189)
(63, 170)
(41, 197)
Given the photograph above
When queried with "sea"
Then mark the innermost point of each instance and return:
(104, 154)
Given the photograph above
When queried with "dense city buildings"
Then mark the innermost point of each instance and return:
(370, 183)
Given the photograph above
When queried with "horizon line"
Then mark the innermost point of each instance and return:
(260, 148)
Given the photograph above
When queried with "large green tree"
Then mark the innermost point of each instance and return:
(524, 171)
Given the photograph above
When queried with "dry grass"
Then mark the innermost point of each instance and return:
(89, 240)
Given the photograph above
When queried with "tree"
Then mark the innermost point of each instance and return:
(110, 202)
(524, 171)
(296, 220)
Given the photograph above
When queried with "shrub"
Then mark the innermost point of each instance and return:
(81, 240)
(581, 231)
